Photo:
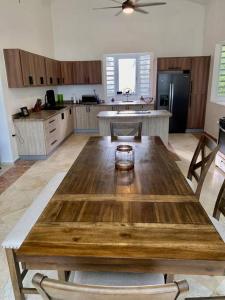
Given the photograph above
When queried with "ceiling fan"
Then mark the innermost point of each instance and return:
(129, 6)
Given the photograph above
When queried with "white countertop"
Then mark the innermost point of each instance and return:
(135, 114)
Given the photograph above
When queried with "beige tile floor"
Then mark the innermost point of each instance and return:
(15, 200)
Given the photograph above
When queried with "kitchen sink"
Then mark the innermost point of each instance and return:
(134, 112)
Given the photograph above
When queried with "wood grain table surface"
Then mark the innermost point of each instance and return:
(147, 220)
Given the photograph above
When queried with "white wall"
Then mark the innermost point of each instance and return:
(175, 29)
(27, 26)
(214, 33)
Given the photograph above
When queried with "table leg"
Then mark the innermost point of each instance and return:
(15, 275)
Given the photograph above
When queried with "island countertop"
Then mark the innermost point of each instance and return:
(134, 114)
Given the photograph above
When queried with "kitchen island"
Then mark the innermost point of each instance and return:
(154, 122)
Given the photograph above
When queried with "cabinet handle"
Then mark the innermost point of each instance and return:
(42, 80)
(53, 143)
(62, 116)
(51, 121)
(31, 80)
(63, 80)
(52, 130)
(190, 100)
(70, 111)
(58, 80)
(50, 79)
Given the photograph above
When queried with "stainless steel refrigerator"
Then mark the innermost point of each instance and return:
(173, 94)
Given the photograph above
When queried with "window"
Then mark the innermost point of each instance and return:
(128, 74)
(218, 84)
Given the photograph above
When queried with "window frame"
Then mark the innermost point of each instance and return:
(118, 56)
(215, 98)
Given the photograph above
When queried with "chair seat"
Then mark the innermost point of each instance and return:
(118, 279)
(219, 227)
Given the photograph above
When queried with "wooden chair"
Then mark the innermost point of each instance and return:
(220, 203)
(201, 160)
(126, 129)
(18, 270)
(53, 289)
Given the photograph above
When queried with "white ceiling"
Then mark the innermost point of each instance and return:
(203, 2)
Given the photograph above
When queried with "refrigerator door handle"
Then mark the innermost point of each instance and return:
(172, 97)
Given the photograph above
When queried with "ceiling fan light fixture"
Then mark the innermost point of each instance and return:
(128, 10)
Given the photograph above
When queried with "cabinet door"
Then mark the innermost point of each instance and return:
(57, 73)
(82, 117)
(67, 72)
(94, 72)
(50, 71)
(40, 70)
(199, 89)
(13, 68)
(28, 68)
(174, 63)
(80, 71)
(93, 120)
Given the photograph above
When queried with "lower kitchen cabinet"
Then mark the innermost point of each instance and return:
(38, 138)
(85, 116)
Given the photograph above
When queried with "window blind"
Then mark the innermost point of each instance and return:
(221, 80)
(143, 74)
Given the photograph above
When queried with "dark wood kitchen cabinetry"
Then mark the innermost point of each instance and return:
(67, 72)
(53, 71)
(199, 89)
(87, 72)
(199, 70)
(28, 69)
(174, 63)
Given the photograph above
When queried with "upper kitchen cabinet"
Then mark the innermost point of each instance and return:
(67, 71)
(24, 68)
(53, 71)
(199, 90)
(87, 72)
(174, 63)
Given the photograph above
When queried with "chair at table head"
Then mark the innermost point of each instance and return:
(126, 129)
(51, 289)
(202, 159)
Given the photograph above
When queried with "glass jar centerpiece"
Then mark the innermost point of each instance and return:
(124, 158)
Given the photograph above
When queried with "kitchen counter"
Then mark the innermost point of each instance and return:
(134, 114)
(154, 122)
(43, 115)
(120, 103)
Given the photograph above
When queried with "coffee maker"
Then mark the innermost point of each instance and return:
(50, 99)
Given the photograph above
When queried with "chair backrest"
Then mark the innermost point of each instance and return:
(202, 161)
(126, 129)
(220, 203)
(51, 289)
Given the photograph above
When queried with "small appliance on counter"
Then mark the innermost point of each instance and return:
(220, 157)
(90, 99)
(50, 103)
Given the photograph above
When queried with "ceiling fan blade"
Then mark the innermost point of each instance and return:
(96, 8)
(116, 1)
(141, 10)
(120, 12)
(150, 4)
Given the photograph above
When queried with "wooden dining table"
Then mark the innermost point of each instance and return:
(145, 220)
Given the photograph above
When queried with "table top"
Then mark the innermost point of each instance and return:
(146, 220)
(134, 114)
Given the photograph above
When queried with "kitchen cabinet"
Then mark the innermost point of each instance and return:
(41, 137)
(199, 90)
(174, 63)
(40, 70)
(28, 68)
(87, 72)
(53, 71)
(85, 116)
(67, 71)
